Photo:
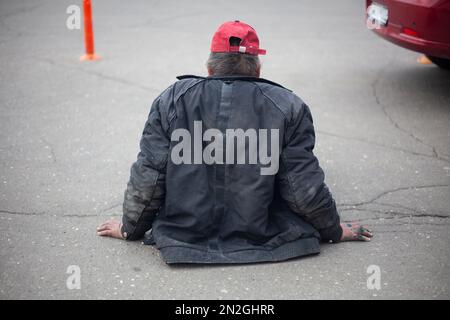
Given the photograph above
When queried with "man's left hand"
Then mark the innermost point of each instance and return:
(111, 228)
(353, 231)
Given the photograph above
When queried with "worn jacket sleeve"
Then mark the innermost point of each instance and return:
(146, 188)
(302, 180)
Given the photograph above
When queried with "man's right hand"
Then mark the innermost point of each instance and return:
(352, 231)
(111, 228)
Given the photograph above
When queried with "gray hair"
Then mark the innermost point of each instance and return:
(233, 64)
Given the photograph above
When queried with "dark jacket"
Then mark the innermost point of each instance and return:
(229, 213)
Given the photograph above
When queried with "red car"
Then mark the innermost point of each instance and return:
(419, 25)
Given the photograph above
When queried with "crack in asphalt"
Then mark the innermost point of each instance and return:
(396, 214)
(413, 210)
(395, 230)
(384, 193)
(101, 75)
(27, 213)
(384, 108)
(23, 213)
(410, 211)
(381, 145)
(400, 223)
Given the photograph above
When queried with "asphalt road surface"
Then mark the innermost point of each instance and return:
(70, 132)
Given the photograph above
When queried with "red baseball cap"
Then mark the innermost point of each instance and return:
(249, 39)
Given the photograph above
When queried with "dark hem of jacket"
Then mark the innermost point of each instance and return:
(298, 248)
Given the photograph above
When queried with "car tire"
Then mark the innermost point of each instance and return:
(440, 62)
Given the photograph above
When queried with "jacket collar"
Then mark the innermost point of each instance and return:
(232, 78)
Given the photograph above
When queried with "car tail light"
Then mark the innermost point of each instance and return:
(410, 32)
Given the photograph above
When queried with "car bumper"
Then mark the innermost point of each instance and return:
(394, 34)
(420, 26)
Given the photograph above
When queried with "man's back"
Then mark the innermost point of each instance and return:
(217, 144)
